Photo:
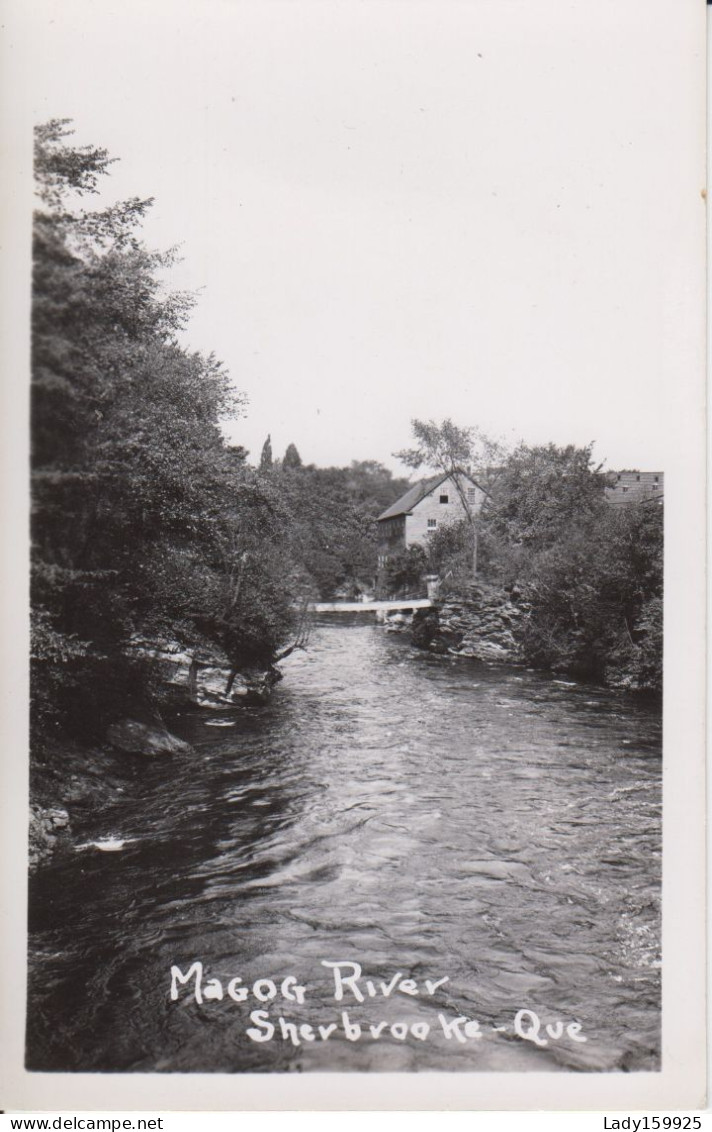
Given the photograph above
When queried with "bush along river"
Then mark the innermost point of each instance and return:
(402, 862)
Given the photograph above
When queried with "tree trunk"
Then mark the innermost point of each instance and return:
(193, 678)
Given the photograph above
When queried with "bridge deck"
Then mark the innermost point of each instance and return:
(369, 606)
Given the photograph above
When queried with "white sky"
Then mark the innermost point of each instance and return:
(472, 209)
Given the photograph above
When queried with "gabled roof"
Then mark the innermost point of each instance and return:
(414, 494)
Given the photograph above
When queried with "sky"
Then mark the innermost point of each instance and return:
(394, 210)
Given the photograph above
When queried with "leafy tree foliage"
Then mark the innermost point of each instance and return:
(597, 600)
(143, 522)
(455, 452)
(405, 570)
(328, 521)
(591, 572)
(369, 485)
(450, 553)
(542, 492)
(330, 538)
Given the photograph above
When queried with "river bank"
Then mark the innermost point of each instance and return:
(70, 777)
(499, 625)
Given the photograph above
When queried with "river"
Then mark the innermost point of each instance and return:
(433, 817)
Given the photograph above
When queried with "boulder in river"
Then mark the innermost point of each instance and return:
(145, 739)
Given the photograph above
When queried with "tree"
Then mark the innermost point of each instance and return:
(596, 599)
(371, 487)
(60, 168)
(542, 492)
(237, 452)
(450, 551)
(266, 455)
(327, 520)
(453, 451)
(405, 569)
(330, 536)
(142, 520)
(292, 459)
(591, 573)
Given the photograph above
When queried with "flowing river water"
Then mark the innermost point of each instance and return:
(433, 817)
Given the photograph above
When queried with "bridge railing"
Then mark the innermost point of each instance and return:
(370, 606)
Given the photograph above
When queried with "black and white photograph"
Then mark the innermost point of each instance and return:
(364, 583)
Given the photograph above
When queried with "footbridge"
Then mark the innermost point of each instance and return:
(370, 606)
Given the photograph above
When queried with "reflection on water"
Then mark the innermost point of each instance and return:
(418, 815)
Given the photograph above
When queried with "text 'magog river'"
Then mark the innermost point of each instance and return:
(348, 983)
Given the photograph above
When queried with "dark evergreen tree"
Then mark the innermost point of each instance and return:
(292, 459)
(266, 455)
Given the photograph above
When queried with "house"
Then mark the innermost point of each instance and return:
(635, 487)
(423, 509)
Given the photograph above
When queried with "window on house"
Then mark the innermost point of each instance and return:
(638, 478)
(656, 478)
(432, 524)
(654, 486)
(444, 498)
(625, 489)
(470, 495)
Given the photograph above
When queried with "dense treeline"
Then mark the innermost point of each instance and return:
(332, 514)
(592, 572)
(145, 524)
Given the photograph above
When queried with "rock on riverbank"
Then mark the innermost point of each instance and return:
(481, 623)
(136, 738)
(199, 678)
(70, 778)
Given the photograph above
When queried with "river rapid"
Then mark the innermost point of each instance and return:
(420, 816)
